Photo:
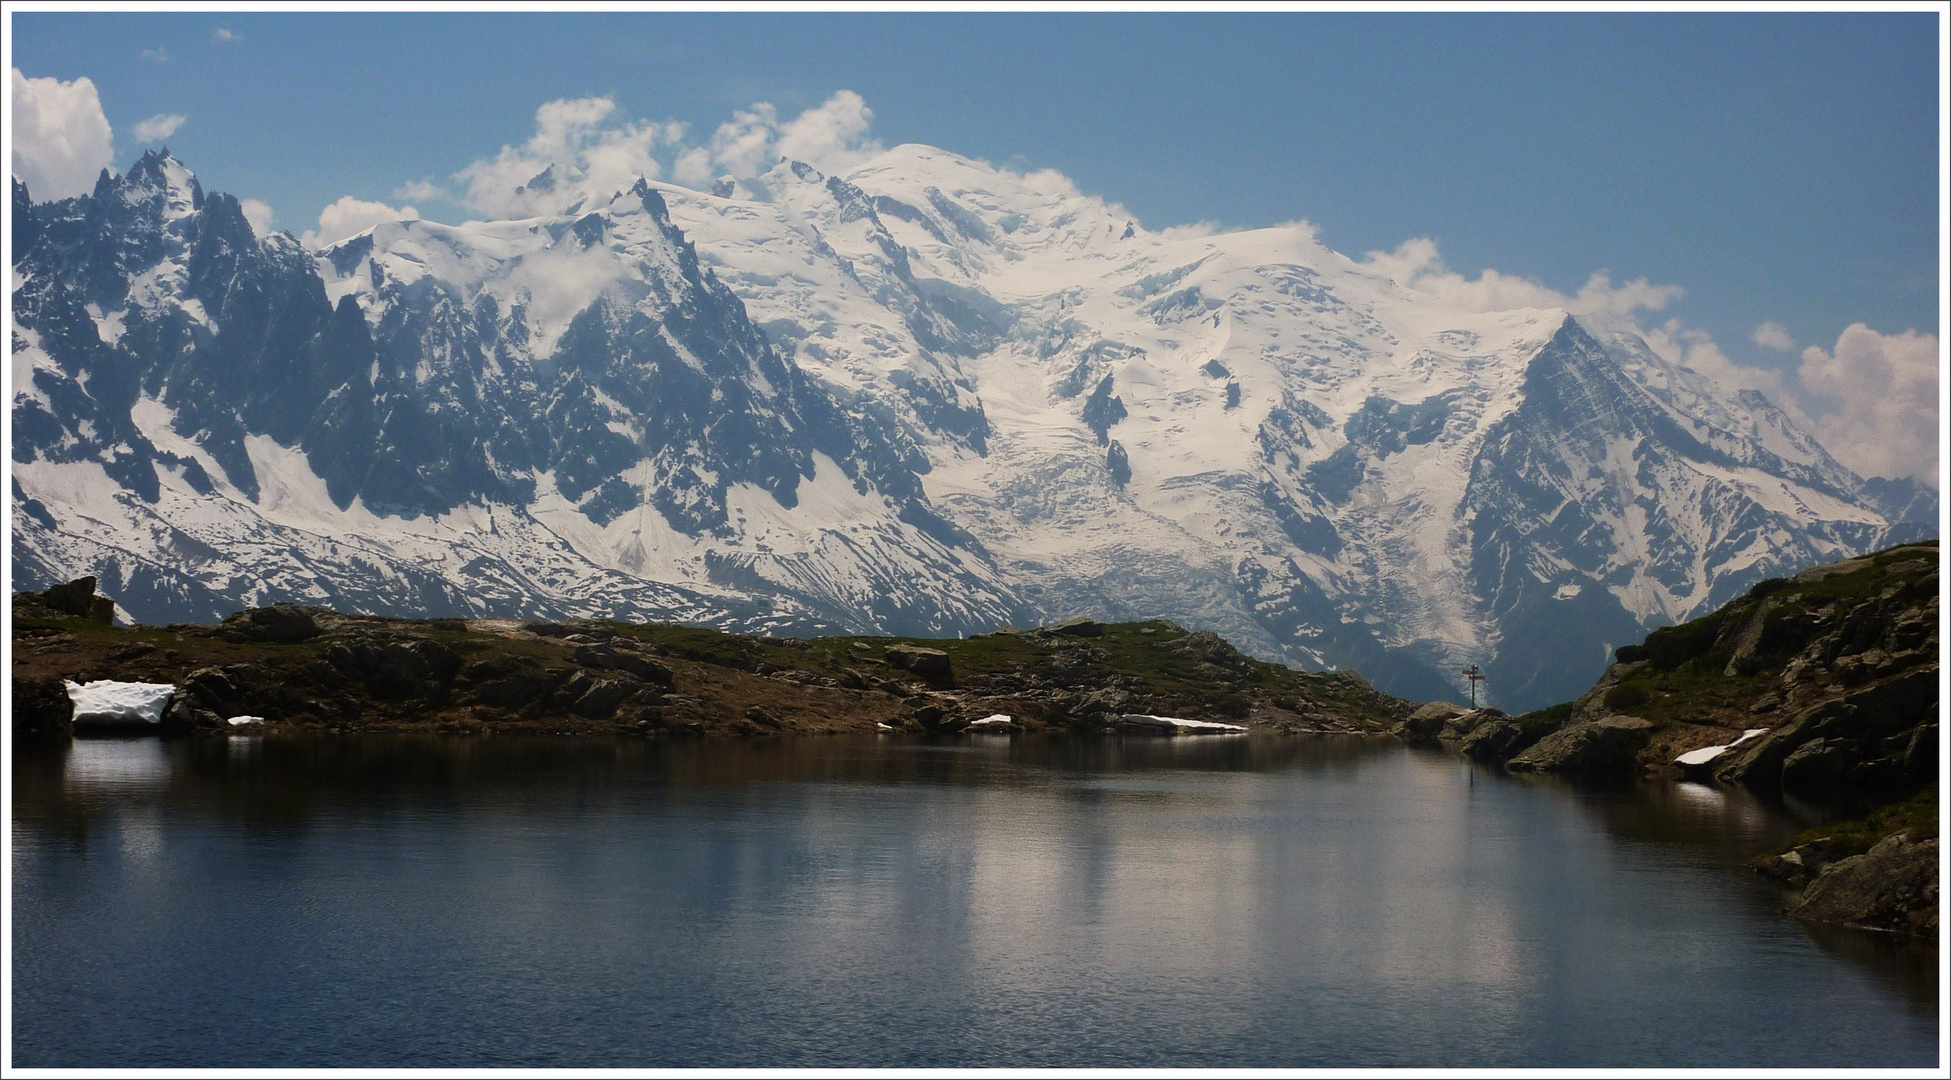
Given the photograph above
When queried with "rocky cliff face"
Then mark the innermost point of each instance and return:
(928, 397)
(204, 416)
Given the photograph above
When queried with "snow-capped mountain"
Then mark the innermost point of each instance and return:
(926, 396)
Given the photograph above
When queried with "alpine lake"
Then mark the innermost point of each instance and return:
(979, 900)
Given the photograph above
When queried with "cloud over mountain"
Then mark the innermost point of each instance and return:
(1881, 395)
(158, 127)
(349, 216)
(588, 153)
(61, 137)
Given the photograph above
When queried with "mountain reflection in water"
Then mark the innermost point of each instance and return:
(989, 900)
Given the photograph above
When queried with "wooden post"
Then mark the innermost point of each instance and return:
(1475, 675)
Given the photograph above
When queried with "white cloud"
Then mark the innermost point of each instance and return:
(693, 167)
(743, 144)
(225, 33)
(258, 213)
(1773, 335)
(595, 154)
(1417, 264)
(1696, 349)
(423, 190)
(158, 127)
(157, 55)
(61, 138)
(1880, 397)
(831, 137)
(590, 158)
(350, 216)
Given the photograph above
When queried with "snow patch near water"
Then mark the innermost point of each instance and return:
(106, 701)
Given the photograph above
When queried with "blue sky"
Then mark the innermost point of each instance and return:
(1778, 168)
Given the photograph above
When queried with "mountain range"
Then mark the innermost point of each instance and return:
(927, 397)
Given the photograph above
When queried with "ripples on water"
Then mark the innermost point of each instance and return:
(1256, 901)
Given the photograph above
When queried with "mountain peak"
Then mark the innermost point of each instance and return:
(805, 407)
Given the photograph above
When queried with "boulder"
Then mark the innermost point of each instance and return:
(928, 663)
(1460, 726)
(1893, 708)
(184, 714)
(1891, 887)
(283, 624)
(416, 667)
(512, 691)
(210, 688)
(933, 718)
(600, 700)
(1495, 742)
(1079, 628)
(41, 708)
(610, 658)
(1817, 767)
(1593, 746)
(78, 598)
(764, 718)
(1591, 704)
(1427, 721)
(1797, 866)
(1760, 764)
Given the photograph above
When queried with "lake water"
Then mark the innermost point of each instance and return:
(1230, 901)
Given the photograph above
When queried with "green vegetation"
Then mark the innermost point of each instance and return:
(1686, 676)
(1685, 694)
(1539, 722)
(1917, 815)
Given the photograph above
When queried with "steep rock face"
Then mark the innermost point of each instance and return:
(1621, 486)
(1822, 686)
(415, 421)
(798, 401)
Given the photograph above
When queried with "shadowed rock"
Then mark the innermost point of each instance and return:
(1891, 887)
(1595, 746)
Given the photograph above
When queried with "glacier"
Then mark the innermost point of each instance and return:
(926, 397)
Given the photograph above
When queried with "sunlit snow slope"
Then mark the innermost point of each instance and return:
(928, 396)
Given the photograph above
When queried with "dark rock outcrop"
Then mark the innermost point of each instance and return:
(1494, 742)
(41, 709)
(1428, 721)
(928, 663)
(1590, 747)
(283, 624)
(1874, 741)
(1892, 887)
(78, 598)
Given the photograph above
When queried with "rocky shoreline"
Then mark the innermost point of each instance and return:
(1822, 687)
(305, 668)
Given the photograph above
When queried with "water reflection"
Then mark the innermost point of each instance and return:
(898, 901)
(111, 765)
